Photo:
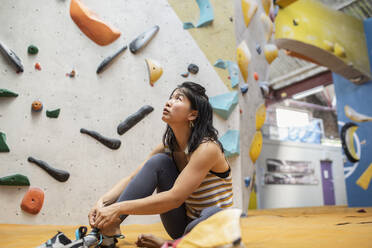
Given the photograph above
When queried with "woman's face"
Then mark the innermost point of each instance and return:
(178, 109)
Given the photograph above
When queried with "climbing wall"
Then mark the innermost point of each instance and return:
(97, 102)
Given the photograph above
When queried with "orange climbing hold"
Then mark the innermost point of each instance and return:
(38, 66)
(91, 26)
(255, 75)
(33, 201)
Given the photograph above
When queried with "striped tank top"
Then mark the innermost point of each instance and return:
(213, 191)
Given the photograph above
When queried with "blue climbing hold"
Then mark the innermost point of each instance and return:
(231, 143)
(224, 104)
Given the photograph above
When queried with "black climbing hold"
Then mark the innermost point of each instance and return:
(113, 144)
(258, 49)
(12, 57)
(142, 40)
(109, 59)
(193, 69)
(133, 119)
(59, 175)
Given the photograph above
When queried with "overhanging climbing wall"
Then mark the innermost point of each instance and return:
(97, 102)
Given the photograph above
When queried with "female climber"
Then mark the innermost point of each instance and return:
(188, 169)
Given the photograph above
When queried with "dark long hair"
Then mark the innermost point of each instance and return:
(203, 129)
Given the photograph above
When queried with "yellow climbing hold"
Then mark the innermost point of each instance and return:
(260, 116)
(271, 52)
(268, 25)
(256, 146)
(329, 46)
(244, 58)
(365, 179)
(339, 50)
(154, 69)
(249, 8)
(266, 4)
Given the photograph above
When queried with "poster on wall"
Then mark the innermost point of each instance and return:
(289, 172)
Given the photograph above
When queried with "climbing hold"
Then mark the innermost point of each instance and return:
(295, 22)
(233, 73)
(113, 144)
(264, 86)
(258, 49)
(91, 26)
(109, 59)
(38, 66)
(256, 146)
(329, 46)
(33, 200)
(244, 58)
(193, 69)
(365, 179)
(71, 74)
(185, 75)
(15, 180)
(224, 104)
(32, 49)
(249, 8)
(59, 175)
(339, 50)
(255, 75)
(266, 4)
(206, 13)
(347, 140)
(36, 106)
(283, 95)
(231, 143)
(11, 57)
(134, 118)
(143, 39)
(355, 116)
(268, 26)
(260, 116)
(53, 113)
(3, 146)
(247, 181)
(154, 70)
(231, 19)
(244, 88)
(188, 25)
(220, 64)
(7, 93)
(271, 52)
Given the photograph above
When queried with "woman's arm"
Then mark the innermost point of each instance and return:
(201, 161)
(113, 194)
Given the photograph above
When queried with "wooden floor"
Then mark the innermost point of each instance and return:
(293, 227)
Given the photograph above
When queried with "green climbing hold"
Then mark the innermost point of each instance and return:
(7, 93)
(15, 180)
(53, 113)
(3, 146)
(32, 49)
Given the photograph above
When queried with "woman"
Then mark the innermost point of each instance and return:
(188, 169)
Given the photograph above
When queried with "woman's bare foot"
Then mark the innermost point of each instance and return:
(150, 241)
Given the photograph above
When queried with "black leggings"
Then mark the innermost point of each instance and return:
(160, 172)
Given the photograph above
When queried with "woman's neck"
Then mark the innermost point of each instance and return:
(182, 134)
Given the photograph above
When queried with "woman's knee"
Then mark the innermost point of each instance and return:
(160, 161)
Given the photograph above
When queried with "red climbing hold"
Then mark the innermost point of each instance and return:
(255, 75)
(33, 200)
(37, 66)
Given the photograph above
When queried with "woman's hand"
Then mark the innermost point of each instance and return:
(106, 216)
(93, 212)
